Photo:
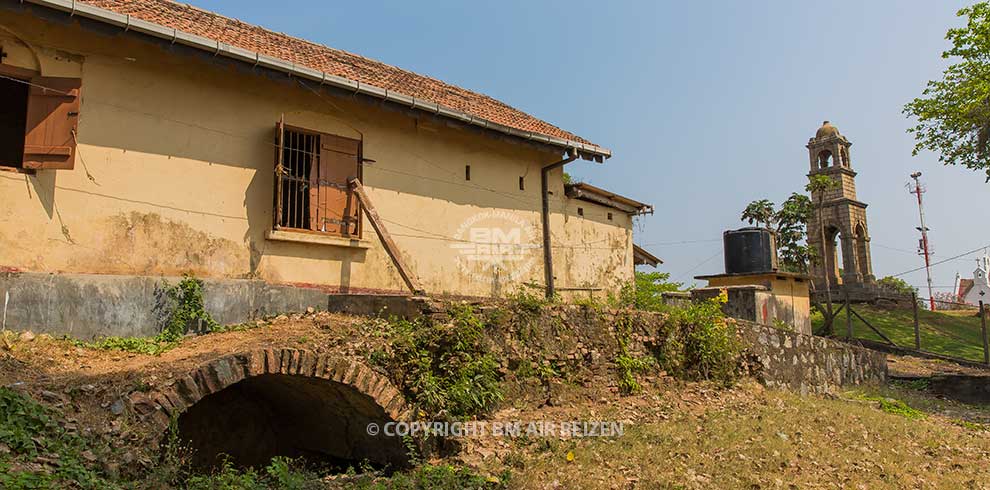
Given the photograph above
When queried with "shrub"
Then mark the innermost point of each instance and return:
(710, 347)
(443, 368)
(646, 292)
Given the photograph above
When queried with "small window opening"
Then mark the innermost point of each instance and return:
(522, 184)
(467, 172)
(580, 211)
(610, 216)
(13, 121)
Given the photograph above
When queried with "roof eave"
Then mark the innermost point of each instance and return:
(129, 23)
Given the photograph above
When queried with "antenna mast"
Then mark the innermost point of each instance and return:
(923, 248)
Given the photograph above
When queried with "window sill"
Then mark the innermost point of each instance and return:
(18, 170)
(316, 239)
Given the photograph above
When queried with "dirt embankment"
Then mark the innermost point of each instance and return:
(675, 434)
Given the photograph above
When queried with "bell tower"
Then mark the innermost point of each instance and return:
(842, 214)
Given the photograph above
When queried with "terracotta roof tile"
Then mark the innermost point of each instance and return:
(965, 285)
(333, 61)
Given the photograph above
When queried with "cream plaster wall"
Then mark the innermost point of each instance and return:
(174, 174)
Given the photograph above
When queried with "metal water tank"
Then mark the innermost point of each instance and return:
(749, 250)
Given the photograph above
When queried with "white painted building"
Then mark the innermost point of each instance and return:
(977, 289)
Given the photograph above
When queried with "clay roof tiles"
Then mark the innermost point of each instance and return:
(332, 61)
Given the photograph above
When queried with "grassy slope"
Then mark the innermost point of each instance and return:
(954, 333)
(768, 440)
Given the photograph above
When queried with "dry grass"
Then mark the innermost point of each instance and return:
(749, 438)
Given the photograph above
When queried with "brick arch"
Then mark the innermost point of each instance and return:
(217, 374)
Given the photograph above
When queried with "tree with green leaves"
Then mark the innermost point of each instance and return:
(953, 114)
(759, 212)
(788, 226)
(897, 285)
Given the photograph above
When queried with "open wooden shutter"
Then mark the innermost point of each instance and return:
(335, 209)
(52, 117)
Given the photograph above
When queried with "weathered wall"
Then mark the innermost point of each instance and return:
(809, 364)
(757, 304)
(575, 337)
(87, 306)
(174, 174)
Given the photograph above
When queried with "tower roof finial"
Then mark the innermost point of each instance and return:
(827, 130)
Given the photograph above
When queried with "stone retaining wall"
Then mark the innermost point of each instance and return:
(806, 363)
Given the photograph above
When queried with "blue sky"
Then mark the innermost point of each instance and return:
(706, 105)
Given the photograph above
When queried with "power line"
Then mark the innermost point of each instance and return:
(709, 259)
(682, 242)
(944, 260)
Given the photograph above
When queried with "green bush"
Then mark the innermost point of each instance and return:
(443, 368)
(710, 349)
(646, 292)
(434, 477)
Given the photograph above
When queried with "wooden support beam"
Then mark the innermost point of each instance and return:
(390, 248)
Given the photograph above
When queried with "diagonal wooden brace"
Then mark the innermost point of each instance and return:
(390, 248)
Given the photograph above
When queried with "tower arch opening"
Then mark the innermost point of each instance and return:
(862, 250)
(824, 159)
(830, 260)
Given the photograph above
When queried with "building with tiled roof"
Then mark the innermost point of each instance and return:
(148, 138)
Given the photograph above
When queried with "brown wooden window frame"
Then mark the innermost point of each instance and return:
(293, 206)
(51, 120)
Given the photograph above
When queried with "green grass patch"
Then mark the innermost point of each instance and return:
(42, 454)
(954, 333)
(895, 406)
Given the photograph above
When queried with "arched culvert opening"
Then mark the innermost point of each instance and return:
(261, 417)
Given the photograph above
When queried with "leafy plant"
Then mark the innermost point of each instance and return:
(186, 309)
(710, 349)
(896, 407)
(529, 300)
(30, 431)
(788, 226)
(444, 368)
(434, 477)
(896, 285)
(646, 291)
(184, 305)
(953, 113)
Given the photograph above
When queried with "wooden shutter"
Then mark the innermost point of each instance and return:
(333, 207)
(279, 155)
(52, 117)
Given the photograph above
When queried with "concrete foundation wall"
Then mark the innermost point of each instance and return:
(87, 306)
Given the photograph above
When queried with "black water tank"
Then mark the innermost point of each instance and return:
(749, 250)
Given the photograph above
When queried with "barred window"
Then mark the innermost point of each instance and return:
(312, 171)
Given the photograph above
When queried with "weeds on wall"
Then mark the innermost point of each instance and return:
(627, 365)
(184, 303)
(182, 309)
(710, 348)
(445, 368)
(693, 342)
